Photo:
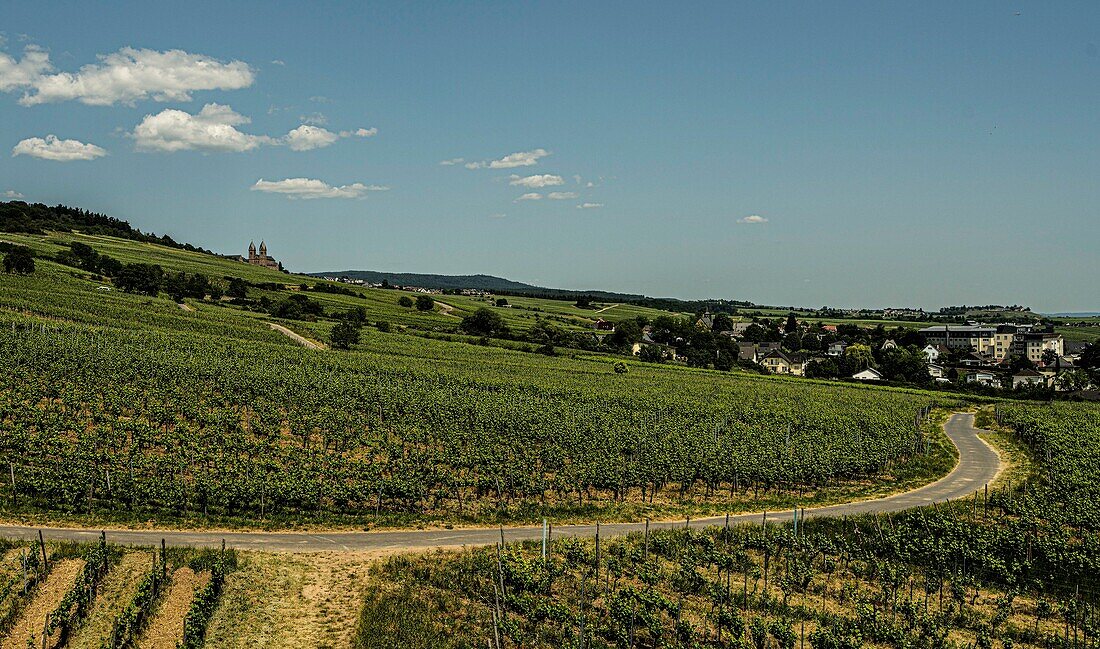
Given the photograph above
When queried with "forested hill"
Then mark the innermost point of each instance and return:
(498, 285)
(502, 286)
(36, 218)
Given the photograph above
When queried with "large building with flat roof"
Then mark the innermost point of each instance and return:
(996, 341)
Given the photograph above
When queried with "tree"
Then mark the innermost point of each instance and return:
(238, 288)
(405, 301)
(651, 354)
(754, 333)
(860, 355)
(792, 324)
(722, 322)
(1016, 362)
(583, 302)
(145, 279)
(345, 334)
(501, 301)
(625, 335)
(484, 322)
(424, 303)
(1074, 380)
(621, 368)
(20, 260)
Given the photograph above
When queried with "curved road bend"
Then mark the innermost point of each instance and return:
(978, 465)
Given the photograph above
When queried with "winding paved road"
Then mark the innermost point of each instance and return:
(978, 465)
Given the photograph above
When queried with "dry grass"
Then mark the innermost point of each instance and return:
(114, 595)
(46, 598)
(165, 629)
(291, 600)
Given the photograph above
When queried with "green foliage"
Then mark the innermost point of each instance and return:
(405, 301)
(484, 322)
(424, 303)
(19, 259)
(345, 334)
(140, 278)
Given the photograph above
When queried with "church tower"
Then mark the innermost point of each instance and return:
(263, 250)
(251, 251)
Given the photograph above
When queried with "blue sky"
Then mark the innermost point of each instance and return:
(894, 153)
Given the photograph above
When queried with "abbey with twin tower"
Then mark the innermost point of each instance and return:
(261, 258)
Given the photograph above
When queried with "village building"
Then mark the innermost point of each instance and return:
(1028, 378)
(778, 362)
(869, 374)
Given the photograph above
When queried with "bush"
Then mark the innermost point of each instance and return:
(484, 322)
(405, 301)
(19, 259)
(424, 303)
(345, 334)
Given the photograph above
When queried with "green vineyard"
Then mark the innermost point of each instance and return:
(99, 418)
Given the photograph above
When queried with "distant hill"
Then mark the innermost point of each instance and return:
(489, 283)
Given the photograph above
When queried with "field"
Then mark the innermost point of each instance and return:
(121, 407)
(1014, 567)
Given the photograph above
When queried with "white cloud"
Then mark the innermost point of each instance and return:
(52, 148)
(124, 76)
(306, 137)
(452, 162)
(316, 119)
(560, 196)
(589, 206)
(214, 128)
(521, 159)
(279, 62)
(498, 215)
(531, 196)
(22, 73)
(306, 188)
(512, 160)
(12, 194)
(360, 132)
(536, 181)
(753, 218)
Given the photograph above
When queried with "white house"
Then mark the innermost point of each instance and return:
(931, 353)
(837, 348)
(1029, 378)
(983, 378)
(936, 371)
(869, 374)
(889, 344)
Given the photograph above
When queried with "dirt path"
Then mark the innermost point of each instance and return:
(301, 340)
(978, 464)
(607, 307)
(165, 629)
(114, 596)
(46, 598)
(290, 600)
(446, 309)
(185, 307)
